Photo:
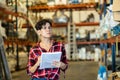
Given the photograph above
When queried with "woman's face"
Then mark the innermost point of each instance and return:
(46, 31)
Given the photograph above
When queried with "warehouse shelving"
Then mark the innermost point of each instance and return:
(69, 7)
(81, 6)
(9, 15)
(110, 41)
(95, 24)
(8, 12)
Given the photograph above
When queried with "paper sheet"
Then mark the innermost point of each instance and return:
(48, 58)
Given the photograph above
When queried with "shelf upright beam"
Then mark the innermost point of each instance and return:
(104, 9)
(100, 5)
(111, 1)
(101, 44)
(105, 44)
(113, 58)
(105, 57)
(17, 56)
(27, 5)
(101, 47)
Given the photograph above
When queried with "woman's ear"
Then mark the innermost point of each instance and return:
(38, 32)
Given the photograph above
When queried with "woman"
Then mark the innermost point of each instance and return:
(46, 44)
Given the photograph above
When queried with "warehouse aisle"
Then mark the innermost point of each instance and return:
(79, 70)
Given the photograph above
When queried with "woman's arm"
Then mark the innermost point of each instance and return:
(34, 67)
(63, 63)
(63, 66)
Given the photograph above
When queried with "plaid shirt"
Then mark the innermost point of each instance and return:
(50, 73)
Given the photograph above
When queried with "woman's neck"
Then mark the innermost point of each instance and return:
(46, 41)
(46, 44)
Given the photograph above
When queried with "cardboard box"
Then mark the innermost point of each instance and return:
(116, 15)
(116, 10)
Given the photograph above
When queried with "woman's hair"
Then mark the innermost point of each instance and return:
(42, 22)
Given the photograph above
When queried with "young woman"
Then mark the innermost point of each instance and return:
(46, 44)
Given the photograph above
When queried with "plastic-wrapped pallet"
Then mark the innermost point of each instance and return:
(88, 55)
(93, 36)
(12, 64)
(21, 31)
(97, 54)
(75, 56)
(92, 55)
(83, 34)
(23, 59)
(116, 10)
(11, 58)
(3, 3)
(82, 53)
(79, 55)
(60, 2)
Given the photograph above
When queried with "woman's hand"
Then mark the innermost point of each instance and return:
(59, 64)
(38, 61)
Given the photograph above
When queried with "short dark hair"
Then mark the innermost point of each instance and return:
(42, 22)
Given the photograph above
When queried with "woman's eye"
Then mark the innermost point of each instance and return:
(49, 27)
(46, 27)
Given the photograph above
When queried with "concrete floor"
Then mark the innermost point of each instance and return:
(78, 70)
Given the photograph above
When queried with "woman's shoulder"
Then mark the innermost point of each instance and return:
(35, 46)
